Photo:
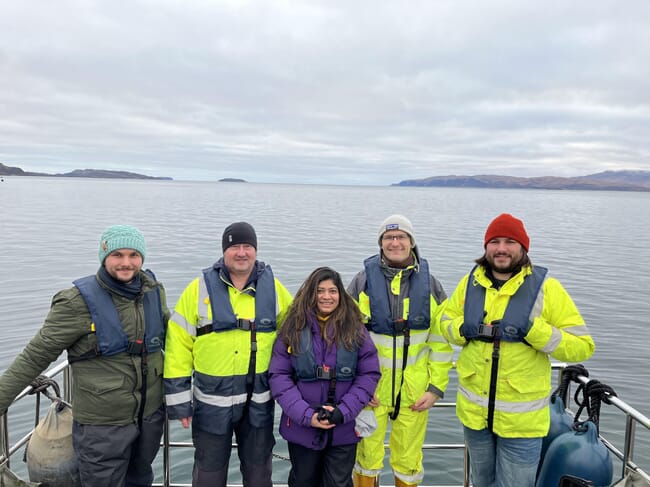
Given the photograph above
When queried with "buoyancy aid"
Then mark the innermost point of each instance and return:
(223, 316)
(306, 368)
(381, 320)
(111, 338)
(516, 320)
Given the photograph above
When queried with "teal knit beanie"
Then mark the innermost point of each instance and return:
(120, 237)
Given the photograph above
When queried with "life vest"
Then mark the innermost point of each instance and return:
(223, 316)
(381, 320)
(307, 370)
(518, 311)
(111, 338)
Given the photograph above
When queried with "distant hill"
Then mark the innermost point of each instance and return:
(603, 181)
(232, 180)
(78, 173)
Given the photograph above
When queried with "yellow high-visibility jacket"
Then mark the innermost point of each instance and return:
(523, 382)
(205, 375)
(429, 354)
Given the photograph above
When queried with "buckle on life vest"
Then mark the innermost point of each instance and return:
(136, 347)
(400, 326)
(487, 333)
(324, 372)
(244, 324)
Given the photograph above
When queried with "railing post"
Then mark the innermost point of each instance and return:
(4, 438)
(465, 466)
(628, 447)
(166, 463)
(67, 384)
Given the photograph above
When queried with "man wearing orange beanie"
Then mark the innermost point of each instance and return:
(509, 321)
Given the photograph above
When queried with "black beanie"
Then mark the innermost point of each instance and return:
(238, 233)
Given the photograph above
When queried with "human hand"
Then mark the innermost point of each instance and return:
(330, 413)
(427, 400)
(374, 402)
(469, 331)
(319, 420)
(186, 422)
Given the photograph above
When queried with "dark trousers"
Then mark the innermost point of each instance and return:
(331, 467)
(212, 455)
(118, 456)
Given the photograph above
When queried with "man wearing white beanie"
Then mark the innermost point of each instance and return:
(402, 301)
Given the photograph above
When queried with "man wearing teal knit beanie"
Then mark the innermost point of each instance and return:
(112, 325)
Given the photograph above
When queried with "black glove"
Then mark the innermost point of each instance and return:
(336, 416)
(323, 414)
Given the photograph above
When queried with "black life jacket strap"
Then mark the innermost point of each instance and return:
(209, 328)
(400, 327)
(143, 391)
(250, 377)
(494, 372)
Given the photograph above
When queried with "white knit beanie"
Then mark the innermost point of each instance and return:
(397, 222)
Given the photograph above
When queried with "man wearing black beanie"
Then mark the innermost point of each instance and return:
(221, 335)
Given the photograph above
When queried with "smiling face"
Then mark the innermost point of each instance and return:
(396, 246)
(504, 255)
(327, 297)
(123, 264)
(240, 259)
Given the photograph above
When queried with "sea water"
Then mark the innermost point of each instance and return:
(596, 243)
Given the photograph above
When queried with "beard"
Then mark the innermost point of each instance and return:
(513, 267)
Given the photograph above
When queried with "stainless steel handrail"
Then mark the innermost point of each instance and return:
(633, 417)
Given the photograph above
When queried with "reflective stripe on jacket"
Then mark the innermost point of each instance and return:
(111, 338)
(429, 354)
(419, 293)
(522, 308)
(223, 317)
(524, 374)
(219, 361)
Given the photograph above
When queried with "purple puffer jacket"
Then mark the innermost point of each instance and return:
(300, 400)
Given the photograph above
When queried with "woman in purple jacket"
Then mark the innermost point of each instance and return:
(323, 371)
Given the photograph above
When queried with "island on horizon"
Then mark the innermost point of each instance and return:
(80, 173)
(623, 180)
(232, 180)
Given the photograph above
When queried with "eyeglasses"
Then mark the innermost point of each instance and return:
(400, 238)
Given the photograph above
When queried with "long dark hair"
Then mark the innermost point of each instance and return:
(346, 320)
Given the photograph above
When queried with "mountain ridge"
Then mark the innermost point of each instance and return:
(623, 180)
(78, 173)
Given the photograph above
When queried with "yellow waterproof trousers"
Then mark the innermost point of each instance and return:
(405, 442)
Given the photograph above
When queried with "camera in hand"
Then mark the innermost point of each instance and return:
(323, 414)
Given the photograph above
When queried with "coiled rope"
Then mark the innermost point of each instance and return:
(569, 374)
(41, 384)
(593, 392)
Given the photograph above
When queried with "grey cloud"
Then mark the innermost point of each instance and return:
(325, 92)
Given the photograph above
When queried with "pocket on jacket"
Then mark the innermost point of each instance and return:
(466, 374)
(100, 387)
(527, 387)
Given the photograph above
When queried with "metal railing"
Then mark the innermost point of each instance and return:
(626, 456)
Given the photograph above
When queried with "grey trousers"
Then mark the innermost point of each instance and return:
(118, 456)
(212, 455)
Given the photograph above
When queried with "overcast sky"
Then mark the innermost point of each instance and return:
(340, 92)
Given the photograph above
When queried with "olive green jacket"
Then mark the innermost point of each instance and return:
(105, 390)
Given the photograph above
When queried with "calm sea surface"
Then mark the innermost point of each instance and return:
(596, 243)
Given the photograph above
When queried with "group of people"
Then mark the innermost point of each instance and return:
(344, 365)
